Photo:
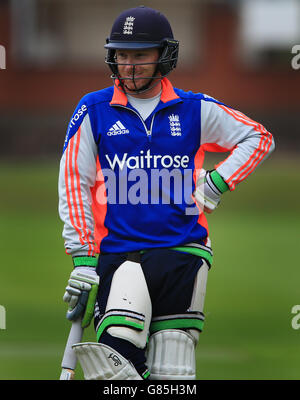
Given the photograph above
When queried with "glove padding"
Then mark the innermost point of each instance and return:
(207, 195)
(81, 294)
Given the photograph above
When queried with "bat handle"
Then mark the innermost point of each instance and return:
(69, 359)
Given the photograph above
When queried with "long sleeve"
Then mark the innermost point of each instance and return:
(226, 129)
(76, 176)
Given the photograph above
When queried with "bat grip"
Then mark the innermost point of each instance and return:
(69, 359)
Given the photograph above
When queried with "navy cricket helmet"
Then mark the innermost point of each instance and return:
(143, 28)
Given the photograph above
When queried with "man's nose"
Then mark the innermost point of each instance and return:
(129, 61)
(129, 66)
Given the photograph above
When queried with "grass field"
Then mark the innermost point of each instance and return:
(251, 290)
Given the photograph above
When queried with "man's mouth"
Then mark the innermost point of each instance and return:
(132, 77)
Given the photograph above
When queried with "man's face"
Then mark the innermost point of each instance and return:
(139, 75)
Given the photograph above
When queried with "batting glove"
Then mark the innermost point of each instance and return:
(81, 294)
(209, 188)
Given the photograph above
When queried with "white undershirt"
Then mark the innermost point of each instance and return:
(144, 106)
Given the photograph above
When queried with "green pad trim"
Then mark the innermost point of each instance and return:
(119, 320)
(195, 251)
(82, 261)
(191, 250)
(146, 374)
(90, 307)
(177, 323)
(219, 181)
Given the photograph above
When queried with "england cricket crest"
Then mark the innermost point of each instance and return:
(175, 127)
(128, 26)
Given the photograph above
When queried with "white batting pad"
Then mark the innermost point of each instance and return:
(197, 303)
(199, 292)
(171, 355)
(101, 362)
(129, 292)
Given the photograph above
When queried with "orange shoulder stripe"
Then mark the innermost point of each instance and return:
(258, 154)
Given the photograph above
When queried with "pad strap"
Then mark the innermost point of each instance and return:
(189, 320)
(125, 318)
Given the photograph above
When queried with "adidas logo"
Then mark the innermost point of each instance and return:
(117, 129)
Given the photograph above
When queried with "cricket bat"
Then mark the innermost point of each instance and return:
(69, 360)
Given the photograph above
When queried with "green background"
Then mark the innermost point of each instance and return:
(252, 287)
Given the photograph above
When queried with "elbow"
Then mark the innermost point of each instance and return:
(272, 145)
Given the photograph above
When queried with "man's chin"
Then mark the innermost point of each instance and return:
(132, 87)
